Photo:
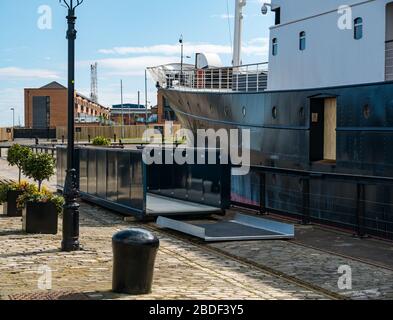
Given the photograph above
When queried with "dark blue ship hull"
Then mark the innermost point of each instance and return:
(283, 136)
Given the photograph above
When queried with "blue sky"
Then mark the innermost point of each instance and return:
(123, 36)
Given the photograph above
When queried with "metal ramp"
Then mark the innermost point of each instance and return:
(240, 228)
(159, 205)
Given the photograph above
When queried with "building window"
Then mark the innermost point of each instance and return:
(358, 28)
(302, 41)
(274, 47)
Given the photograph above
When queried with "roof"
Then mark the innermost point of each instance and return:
(129, 106)
(53, 85)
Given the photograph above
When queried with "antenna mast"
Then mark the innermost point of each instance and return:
(237, 48)
(94, 83)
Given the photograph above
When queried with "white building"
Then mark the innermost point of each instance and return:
(314, 45)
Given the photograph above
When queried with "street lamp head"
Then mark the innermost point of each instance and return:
(181, 39)
(71, 4)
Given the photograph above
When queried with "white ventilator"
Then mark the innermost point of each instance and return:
(237, 48)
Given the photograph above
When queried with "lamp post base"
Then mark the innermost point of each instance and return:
(71, 214)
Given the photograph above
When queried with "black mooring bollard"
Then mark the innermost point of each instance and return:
(134, 255)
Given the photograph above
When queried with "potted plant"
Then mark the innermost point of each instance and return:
(40, 208)
(10, 191)
(17, 155)
(40, 211)
(9, 194)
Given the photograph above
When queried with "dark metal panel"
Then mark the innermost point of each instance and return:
(124, 178)
(137, 182)
(102, 174)
(112, 192)
(92, 172)
(83, 175)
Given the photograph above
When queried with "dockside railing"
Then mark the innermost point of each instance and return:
(356, 213)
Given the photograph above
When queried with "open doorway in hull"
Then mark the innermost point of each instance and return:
(323, 126)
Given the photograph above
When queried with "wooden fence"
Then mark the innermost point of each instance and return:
(130, 132)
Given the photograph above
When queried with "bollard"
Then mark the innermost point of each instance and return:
(36, 141)
(114, 138)
(134, 255)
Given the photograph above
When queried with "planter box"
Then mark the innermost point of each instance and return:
(40, 218)
(9, 208)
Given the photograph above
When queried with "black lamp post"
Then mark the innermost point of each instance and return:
(71, 208)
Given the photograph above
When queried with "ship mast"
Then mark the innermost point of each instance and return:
(237, 48)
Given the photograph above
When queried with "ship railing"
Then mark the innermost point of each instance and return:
(246, 78)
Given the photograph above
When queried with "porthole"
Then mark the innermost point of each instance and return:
(244, 111)
(274, 113)
(366, 111)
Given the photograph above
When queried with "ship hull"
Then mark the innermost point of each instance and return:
(283, 135)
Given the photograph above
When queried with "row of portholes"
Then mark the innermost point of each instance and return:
(366, 111)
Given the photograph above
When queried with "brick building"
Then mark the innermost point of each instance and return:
(131, 113)
(46, 107)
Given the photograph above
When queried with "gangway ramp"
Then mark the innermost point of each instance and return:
(240, 228)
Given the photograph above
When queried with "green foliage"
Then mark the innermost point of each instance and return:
(39, 167)
(22, 187)
(43, 196)
(17, 156)
(101, 141)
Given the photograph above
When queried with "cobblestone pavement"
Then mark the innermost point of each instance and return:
(183, 271)
(316, 267)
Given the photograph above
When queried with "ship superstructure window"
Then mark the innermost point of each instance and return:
(302, 41)
(274, 47)
(358, 28)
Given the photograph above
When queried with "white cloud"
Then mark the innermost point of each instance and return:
(20, 73)
(130, 66)
(258, 46)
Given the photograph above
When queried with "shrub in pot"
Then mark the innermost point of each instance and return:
(41, 208)
(40, 211)
(9, 194)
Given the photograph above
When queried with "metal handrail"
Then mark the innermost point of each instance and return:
(245, 78)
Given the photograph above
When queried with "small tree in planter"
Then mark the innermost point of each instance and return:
(9, 192)
(17, 156)
(39, 167)
(40, 211)
(40, 208)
